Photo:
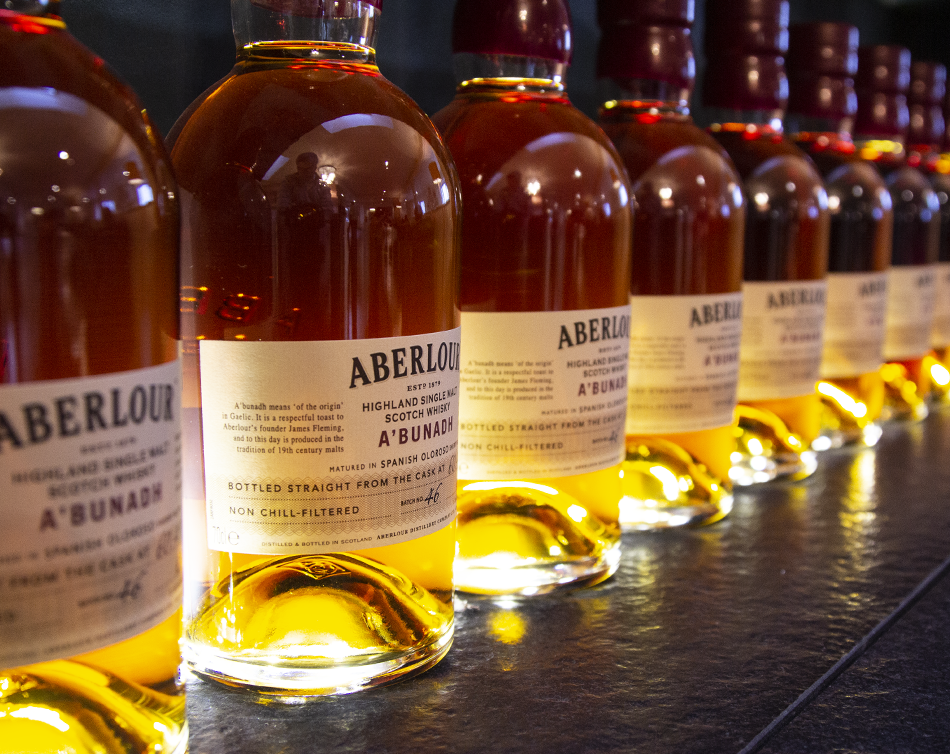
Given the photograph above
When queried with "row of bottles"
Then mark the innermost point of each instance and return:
(408, 356)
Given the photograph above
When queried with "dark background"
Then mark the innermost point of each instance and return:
(172, 50)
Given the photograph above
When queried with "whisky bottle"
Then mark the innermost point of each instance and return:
(925, 99)
(686, 285)
(786, 241)
(545, 308)
(822, 62)
(880, 130)
(90, 463)
(320, 338)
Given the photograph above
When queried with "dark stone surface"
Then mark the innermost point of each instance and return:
(696, 645)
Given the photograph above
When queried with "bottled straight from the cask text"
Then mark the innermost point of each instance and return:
(786, 241)
(880, 129)
(320, 336)
(545, 309)
(686, 285)
(90, 463)
(926, 96)
(822, 62)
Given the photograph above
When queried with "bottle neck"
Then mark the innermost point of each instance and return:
(807, 124)
(533, 73)
(886, 149)
(48, 8)
(645, 96)
(765, 121)
(314, 29)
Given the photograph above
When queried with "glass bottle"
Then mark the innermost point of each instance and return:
(545, 308)
(822, 62)
(90, 493)
(320, 344)
(786, 241)
(686, 287)
(880, 128)
(926, 94)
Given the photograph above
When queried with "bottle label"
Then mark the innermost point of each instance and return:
(90, 500)
(782, 325)
(322, 446)
(544, 394)
(854, 324)
(940, 334)
(684, 362)
(911, 294)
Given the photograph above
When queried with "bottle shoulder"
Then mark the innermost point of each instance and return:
(751, 152)
(55, 61)
(259, 118)
(642, 144)
(857, 184)
(495, 128)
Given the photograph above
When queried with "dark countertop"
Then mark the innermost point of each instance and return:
(812, 619)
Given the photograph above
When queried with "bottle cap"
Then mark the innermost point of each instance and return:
(652, 52)
(530, 28)
(747, 26)
(822, 60)
(824, 47)
(928, 82)
(745, 44)
(746, 82)
(883, 68)
(311, 8)
(928, 87)
(662, 12)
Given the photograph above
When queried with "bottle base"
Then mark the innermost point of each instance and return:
(294, 684)
(65, 705)
(850, 408)
(525, 580)
(664, 486)
(903, 399)
(937, 369)
(766, 450)
(835, 439)
(312, 625)
(523, 538)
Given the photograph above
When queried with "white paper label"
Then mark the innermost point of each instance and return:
(782, 325)
(940, 333)
(854, 323)
(684, 362)
(90, 505)
(911, 291)
(544, 394)
(322, 446)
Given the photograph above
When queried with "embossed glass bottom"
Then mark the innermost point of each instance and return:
(121, 699)
(850, 411)
(767, 450)
(937, 369)
(303, 626)
(528, 537)
(906, 386)
(664, 485)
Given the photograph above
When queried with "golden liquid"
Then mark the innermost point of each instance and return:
(87, 287)
(850, 407)
(906, 388)
(937, 368)
(786, 239)
(555, 249)
(120, 699)
(377, 258)
(688, 243)
(861, 238)
(916, 242)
